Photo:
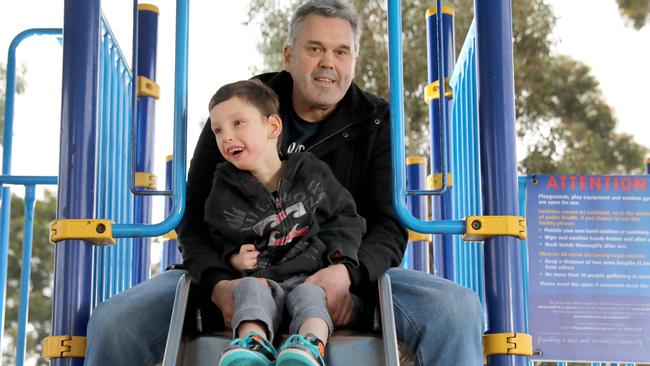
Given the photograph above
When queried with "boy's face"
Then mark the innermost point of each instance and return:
(321, 62)
(245, 137)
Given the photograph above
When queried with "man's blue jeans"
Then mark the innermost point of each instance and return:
(441, 323)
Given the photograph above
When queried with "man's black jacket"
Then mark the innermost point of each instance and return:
(355, 143)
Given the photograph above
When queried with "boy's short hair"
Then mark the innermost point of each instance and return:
(253, 91)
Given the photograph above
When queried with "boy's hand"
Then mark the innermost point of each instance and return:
(335, 281)
(246, 258)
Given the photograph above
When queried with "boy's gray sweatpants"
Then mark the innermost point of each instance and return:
(253, 300)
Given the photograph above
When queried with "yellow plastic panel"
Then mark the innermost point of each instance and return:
(64, 346)
(99, 232)
(508, 344)
(478, 228)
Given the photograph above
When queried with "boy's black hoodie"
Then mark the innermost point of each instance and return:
(296, 229)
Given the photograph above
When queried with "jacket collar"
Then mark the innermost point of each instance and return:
(247, 184)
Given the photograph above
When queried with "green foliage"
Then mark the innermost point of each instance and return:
(637, 12)
(20, 88)
(561, 114)
(42, 269)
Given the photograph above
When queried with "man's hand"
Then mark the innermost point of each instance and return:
(222, 297)
(335, 281)
(246, 258)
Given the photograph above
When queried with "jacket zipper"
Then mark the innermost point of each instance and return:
(333, 134)
(279, 209)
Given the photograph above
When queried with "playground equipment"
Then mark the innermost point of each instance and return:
(487, 212)
(76, 178)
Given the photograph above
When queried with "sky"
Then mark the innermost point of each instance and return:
(222, 49)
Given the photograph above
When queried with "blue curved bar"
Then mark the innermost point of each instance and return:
(396, 83)
(7, 144)
(180, 136)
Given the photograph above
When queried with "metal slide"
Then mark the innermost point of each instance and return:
(344, 348)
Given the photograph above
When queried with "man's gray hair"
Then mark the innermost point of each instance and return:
(327, 8)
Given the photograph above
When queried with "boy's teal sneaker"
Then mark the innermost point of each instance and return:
(252, 350)
(302, 351)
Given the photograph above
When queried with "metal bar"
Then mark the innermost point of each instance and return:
(440, 58)
(100, 253)
(180, 136)
(173, 345)
(171, 254)
(27, 180)
(7, 146)
(417, 171)
(396, 82)
(25, 272)
(73, 258)
(504, 296)
(147, 42)
(388, 321)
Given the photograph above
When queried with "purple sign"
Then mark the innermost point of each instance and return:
(589, 267)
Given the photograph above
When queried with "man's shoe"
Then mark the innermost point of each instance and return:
(302, 351)
(251, 350)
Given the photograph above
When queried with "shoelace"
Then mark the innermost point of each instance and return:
(317, 351)
(255, 343)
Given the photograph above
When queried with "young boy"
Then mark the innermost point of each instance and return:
(275, 222)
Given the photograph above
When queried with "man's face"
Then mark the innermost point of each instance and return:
(321, 62)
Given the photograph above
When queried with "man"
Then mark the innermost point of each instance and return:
(327, 114)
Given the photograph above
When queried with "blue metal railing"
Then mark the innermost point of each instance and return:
(465, 164)
(180, 137)
(113, 265)
(5, 201)
(396, 85)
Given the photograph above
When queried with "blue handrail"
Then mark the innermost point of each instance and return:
(7, 143)
(396, 85)
(180, 136)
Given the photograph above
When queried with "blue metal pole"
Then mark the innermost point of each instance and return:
(647, 165)
(25, 272)
(7, 146)
(416, 168)
(146, 50)
(441, 51)
(171, 254)
(73, 258)
(504, 293)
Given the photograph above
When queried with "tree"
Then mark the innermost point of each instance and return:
(637, 12)
(20, 88)
(42, 269)
(561, 113)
